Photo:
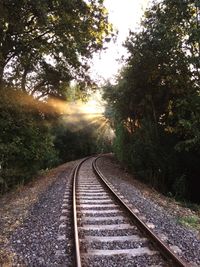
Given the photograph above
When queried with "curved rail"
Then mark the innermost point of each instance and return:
(163, 248)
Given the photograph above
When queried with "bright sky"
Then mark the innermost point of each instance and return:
(124, 15)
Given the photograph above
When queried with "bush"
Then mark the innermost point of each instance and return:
(150, 153)
(26, 145)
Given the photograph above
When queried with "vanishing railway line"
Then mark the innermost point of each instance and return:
(107, 231)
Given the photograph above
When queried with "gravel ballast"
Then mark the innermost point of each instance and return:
(117, 245)
(117, 261)
(185, 241)
(109, 241)
(45, 237)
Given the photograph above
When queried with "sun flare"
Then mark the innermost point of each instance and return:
(92, 107)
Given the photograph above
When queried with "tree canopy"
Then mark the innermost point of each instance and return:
(46, 44)
(156, 101)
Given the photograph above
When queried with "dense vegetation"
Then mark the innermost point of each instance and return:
(155, 104)
(85, 139)
(43, 46)
(26, 144)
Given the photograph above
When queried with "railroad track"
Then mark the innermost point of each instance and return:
(107, 231)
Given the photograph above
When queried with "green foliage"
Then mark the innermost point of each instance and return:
(191, 221)
(26, 145)
(184, 121)
(155, 105)
(34, 138)
(44, 44)
(149, 154)
(72, 143)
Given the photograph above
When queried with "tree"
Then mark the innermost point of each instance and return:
(44, 44)
(156, 100)
(26, 143)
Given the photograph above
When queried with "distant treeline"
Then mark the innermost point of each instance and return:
(155, 105)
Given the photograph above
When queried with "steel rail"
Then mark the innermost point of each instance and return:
(162, 247)
(77, 245)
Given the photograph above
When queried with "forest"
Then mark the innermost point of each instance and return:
(153, 107)
(41, 53)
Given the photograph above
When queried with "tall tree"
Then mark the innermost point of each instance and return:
(157, 98)
(44, 44)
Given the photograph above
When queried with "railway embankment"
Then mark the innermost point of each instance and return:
(36, 226)
(166, 216)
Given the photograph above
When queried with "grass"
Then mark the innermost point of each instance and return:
(190, 221)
